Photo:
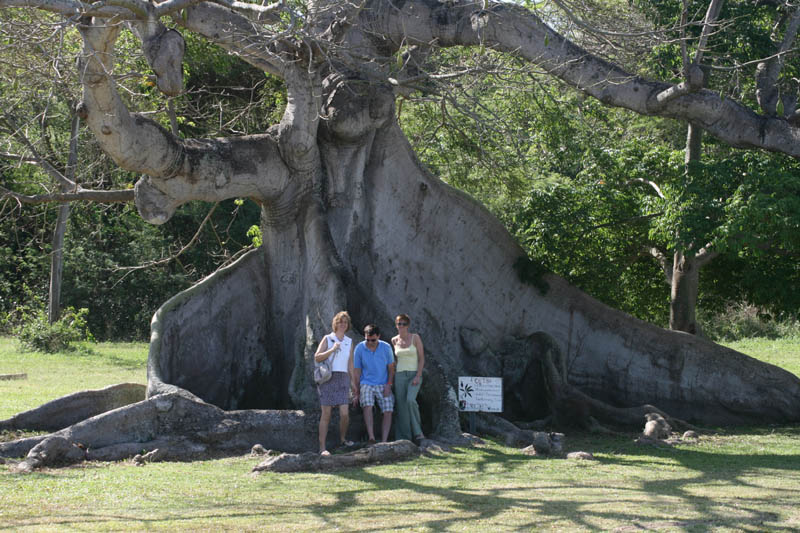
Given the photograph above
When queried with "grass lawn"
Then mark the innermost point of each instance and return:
(50, 376)
(742, 480)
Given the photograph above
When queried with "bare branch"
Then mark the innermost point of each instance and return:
(513, 29)
(709, 22)
(18, 157)
(174, 256)
(103, 197)
(684, 51)
(73, 9)
(264, 13)
(40, 161)
(769, 70)
(663, 261)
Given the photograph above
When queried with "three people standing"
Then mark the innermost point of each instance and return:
(369, 371)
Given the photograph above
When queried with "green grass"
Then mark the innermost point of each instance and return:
(747, 480)
(784, 353)
(50, 376)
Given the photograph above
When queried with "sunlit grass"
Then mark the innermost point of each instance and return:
(50, 376)
(747, 479)
(784, 353)
(719, 484)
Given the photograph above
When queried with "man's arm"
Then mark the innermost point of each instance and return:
(387, 389)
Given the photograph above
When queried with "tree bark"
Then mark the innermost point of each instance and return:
(683, 296)
(76, 407)
(57, 264)
(57, 260)
(685, 279)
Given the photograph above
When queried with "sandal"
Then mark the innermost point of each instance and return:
(347, 444)
(325, 453)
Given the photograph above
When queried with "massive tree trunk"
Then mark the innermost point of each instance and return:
(351, 220)
(403, 241)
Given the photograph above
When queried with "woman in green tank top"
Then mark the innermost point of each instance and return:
(410, 356)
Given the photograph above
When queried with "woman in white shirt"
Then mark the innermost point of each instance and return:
(336, 391)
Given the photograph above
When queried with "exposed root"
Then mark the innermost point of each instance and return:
(312, 462)
(73, 408)
(572, 407)
(179, 427)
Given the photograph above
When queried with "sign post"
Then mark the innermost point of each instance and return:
(479, 394)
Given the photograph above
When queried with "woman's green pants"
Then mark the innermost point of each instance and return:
(407, 421)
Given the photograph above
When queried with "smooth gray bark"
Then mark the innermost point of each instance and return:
(73, 408)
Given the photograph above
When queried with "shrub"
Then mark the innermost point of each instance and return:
(742, 321)
(36, 333)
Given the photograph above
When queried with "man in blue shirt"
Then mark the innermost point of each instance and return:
(374, 371)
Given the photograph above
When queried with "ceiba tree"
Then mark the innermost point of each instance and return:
(351, 220)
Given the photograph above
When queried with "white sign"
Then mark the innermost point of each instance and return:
(480, 394)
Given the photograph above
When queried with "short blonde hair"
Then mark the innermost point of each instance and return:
(341, 316)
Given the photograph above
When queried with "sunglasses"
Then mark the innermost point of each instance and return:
(402, 323)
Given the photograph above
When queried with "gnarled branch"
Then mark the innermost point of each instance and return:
(518, 31)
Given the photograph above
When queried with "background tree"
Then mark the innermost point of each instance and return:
(118, 267)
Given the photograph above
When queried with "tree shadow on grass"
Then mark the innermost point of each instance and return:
(750, 474)
(675, 503)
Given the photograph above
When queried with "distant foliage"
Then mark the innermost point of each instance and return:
(115, 264)
(596, 194)
(35, 333)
